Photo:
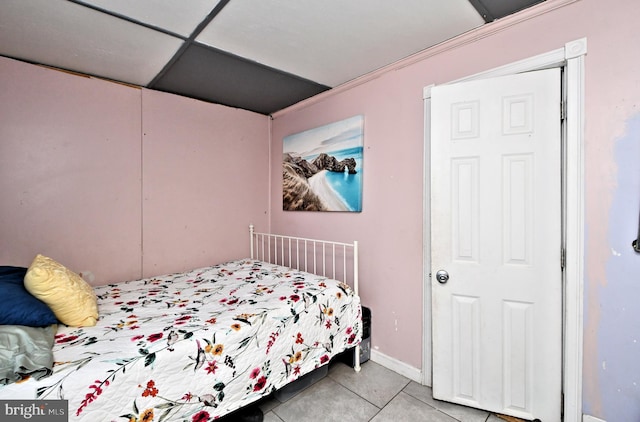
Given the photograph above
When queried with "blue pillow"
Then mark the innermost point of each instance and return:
(19, 307)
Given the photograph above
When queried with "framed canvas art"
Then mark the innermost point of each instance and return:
(322, 168)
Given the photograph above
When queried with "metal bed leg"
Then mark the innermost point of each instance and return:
(356, 359)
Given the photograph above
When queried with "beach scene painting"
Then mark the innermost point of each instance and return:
(322, 168)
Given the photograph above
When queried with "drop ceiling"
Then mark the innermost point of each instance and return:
(258, 55)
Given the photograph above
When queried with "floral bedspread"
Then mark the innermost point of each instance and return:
(197, 345)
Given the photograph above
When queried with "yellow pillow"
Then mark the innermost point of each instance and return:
(70, 298)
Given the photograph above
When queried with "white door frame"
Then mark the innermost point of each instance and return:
(571, 58)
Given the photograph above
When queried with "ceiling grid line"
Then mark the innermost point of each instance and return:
(127, 19)
(188, 41)
(261, 56)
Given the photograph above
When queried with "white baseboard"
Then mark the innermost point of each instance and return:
(414, 374)
(589, 418)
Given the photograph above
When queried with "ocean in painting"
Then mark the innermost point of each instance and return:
(348, 187)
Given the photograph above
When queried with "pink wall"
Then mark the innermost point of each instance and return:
(390, 226)
(69, 171)
(124, 182)
(203, 181)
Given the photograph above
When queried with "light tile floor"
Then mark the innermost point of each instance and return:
(374, 394)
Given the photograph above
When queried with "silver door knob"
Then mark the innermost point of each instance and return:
(442, 276)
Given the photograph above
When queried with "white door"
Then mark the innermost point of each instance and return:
(496, 232)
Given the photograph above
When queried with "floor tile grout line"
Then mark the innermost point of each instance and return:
(380, 409)
(363, 398)
(373, 404)
(387, 404)
(489, 414)
(341, 382)
(348, 389)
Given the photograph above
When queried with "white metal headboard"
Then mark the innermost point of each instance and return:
(315, 256)
(337, 260)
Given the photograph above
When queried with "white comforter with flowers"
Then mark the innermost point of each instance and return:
(197, 345)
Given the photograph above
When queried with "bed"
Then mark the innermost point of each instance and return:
(201, 344)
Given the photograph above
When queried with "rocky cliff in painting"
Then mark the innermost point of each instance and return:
(297, 194)
(327, 162)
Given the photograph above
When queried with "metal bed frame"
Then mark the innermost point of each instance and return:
(336, 260)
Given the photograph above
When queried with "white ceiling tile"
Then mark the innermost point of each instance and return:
(334, 41)
(179, 17)
(66, 35)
